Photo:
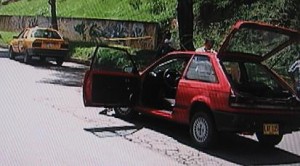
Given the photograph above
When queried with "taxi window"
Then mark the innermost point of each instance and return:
(45, 33)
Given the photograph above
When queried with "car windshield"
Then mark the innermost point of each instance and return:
(45, 33)
(254, 79)
(255, 41)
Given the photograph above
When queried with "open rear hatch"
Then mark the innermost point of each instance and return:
(254, 85)
(257, 41)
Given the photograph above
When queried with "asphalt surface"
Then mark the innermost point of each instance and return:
(44, 122)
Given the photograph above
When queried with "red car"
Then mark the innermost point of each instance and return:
(229, 91)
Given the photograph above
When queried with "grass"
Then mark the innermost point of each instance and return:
(5, 37)
(109, 9)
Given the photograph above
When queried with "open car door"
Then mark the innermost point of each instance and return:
(112, 80)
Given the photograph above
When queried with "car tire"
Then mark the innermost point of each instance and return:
(268, 140)
(202, 130)
(27, 58)
(124, 112)
(59, 61)
(11, 54)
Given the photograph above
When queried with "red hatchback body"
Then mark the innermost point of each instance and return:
(228, 91)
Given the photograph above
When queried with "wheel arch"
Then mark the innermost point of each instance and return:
(199, 106)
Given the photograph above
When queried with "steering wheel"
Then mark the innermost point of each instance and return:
(171, 78)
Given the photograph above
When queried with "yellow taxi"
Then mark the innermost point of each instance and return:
(39, 42)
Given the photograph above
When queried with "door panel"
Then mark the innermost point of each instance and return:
(118, 89)
(109, 83)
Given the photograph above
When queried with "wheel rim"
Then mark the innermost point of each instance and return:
(200, 130)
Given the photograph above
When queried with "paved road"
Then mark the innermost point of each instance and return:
(44, 122)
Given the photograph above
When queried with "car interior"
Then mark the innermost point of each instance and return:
(254, 79)
(160, 84)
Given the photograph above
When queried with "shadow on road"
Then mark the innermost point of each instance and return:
(62, 75)
(233, 148)
(113, 131)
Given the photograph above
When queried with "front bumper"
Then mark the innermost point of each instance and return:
(246, 122)
(47, 52)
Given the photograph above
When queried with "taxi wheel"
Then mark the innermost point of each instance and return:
(27, 58)
(202, 130)
(268, 140)
(59, 61)
(11, 54)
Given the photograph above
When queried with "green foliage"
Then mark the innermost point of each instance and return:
(213, 19)
(138, 10)
(158, 6)
(112, 59)
(6, 36)
(135, 4)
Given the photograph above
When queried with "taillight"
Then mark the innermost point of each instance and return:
(36, 44)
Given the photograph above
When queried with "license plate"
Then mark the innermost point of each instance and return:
(50, 45)
(271, 129)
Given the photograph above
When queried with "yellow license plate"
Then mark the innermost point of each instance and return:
(271, 129)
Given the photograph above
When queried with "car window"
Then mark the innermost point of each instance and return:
(21, 35)
(26, 33)
(201, 69)
(110, 59)
(255, 41)
(233, 71)
(176, 64)
(258, 74)
(45, 33)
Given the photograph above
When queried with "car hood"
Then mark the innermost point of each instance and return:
(256, 40)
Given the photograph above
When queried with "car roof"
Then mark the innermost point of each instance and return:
(190, 53)
(176, 53)
(43, 28)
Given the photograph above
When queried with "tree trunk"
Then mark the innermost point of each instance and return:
(53, 14)
(185, 24)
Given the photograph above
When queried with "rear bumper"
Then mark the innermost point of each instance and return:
(246, 122)
(47, 52)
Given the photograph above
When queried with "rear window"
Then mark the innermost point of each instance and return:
(45, 33)
(255, 41)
